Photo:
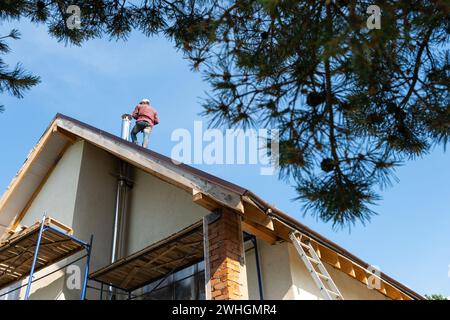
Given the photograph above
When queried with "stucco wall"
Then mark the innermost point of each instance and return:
(352, 289)
(252, 277)
(284, 276)
(57, 199)
(49, 288)
(80, 193)
(275, 272)
(57, 196)
(94, 209)
(157, 210)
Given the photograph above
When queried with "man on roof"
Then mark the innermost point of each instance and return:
(146, 117)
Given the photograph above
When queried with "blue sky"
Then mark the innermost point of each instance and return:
(97, 83)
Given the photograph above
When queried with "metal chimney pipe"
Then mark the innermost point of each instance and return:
(120, 212)
(118, 248)
(126, 123)
(119, 221)
(124, 185)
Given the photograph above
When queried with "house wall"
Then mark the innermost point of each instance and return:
(57, 199)
(57, 196)
(49, 288)
(352, 289)
(252, 276)
(94, 209)
(284, 276)
(80, 192)
(275, 272)
(157, 210)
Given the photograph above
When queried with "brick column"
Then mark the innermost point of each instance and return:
(225, 272)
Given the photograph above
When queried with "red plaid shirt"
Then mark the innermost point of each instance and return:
(144, 112)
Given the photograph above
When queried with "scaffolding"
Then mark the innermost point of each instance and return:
(32, 249)
(153, 263)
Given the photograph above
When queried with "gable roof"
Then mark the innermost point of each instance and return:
(207, 189)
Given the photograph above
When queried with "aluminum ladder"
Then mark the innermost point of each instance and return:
(318, 272)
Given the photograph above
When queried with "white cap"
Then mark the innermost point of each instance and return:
(145, 101)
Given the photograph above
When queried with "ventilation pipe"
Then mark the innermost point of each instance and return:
(120, 216)
(126, 123)
(124, 184)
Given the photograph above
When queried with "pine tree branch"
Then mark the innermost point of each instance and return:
(417, 65)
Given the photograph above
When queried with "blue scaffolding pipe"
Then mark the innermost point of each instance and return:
(86, 269)
(36, 251)
(258, 268)
(87, 247)
(101, 291)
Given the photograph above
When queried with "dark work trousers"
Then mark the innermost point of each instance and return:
(138, 127)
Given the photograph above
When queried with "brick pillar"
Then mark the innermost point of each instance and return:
(224, 256)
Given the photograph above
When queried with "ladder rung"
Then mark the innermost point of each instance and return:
(334, 293)
(323, 276)
(313, 260)
(304, 245)
(319, 272)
